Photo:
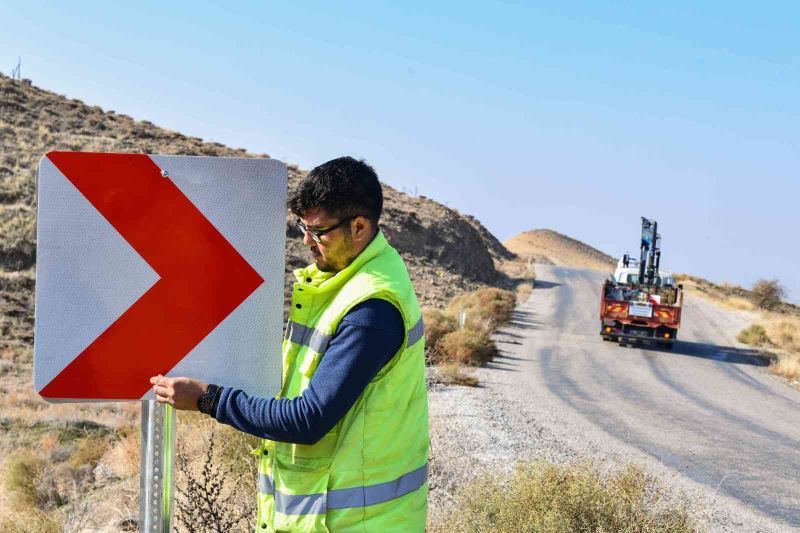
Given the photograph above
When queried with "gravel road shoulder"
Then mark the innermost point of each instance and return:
(505, 420)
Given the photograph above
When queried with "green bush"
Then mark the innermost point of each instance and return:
(546, 498)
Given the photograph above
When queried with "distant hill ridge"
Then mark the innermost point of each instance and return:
(550, 247)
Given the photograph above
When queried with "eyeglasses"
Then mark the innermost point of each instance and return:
(317, 233)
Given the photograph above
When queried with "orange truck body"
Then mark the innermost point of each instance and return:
(628, 321)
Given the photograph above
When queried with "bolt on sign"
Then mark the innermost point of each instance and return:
(150, 264)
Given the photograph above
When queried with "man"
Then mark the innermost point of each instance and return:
(346, 440)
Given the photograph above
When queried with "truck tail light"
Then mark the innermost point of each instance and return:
(664, 314)
(608, 329)
(617, 309)
(667, 335)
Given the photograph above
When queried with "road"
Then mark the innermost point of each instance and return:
(707, 415)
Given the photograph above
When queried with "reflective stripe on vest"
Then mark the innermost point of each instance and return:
(306, 336)
(416, 332)
(297, 504)
(318, 341)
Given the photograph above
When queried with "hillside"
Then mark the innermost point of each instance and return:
(85, 458)
(446, 252)
(553, 248)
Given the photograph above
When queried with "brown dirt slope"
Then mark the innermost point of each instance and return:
(446, 251)
(553, 248)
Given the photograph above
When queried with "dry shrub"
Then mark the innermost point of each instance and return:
(437, 324)
(28, 482)
(524, 291)
(30, 521)
(754, 335)
(89, 452)
(489, 306)
(788, 366)
(453, 374)
(215, 487)
(466, 346)
(548, 498)
(123, 457)
(785, 334)
(767, 294)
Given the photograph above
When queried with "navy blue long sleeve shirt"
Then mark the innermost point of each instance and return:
(367, 338)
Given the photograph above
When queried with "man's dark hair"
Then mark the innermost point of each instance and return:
(343, 187)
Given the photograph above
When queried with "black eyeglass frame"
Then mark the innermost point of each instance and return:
(317, 233)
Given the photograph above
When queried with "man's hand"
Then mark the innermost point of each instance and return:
(182, 393)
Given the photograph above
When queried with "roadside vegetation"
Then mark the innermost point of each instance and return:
(776, 329)
(549, 498)
(779, 335)
(460, 336)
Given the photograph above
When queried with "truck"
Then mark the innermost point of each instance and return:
(639, 303)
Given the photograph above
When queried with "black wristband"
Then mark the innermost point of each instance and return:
(207, 403)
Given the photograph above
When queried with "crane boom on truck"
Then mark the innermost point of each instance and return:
(640, 302)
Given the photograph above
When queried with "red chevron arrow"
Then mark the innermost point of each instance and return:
(202, 277)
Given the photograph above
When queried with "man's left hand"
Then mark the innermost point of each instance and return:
(181, 393)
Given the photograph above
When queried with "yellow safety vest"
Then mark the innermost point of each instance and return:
(369, 473)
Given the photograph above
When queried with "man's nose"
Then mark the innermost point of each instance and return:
(307, 240)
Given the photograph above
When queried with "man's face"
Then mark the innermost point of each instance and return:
(335, 250)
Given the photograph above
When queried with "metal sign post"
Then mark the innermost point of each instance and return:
(157, 471)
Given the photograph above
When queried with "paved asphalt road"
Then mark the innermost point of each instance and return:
(708, 409)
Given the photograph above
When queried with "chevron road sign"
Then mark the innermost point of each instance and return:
(153, 264)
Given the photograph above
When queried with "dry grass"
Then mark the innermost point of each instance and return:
(524, 291)
(781, 337)
(484, 308)
(454, 374)
(23, 472)
(467, 346)
(437, 325)
(730, 295)
(754, 335)
(30, 521)
(740, 304)
(519, 268)
(123, 455)
(784, 332)
(548, 498)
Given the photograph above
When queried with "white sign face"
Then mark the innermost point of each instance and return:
(150, 264)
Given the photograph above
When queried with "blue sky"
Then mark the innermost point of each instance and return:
(574, 117)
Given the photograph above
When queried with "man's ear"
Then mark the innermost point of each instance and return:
(362, 229)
